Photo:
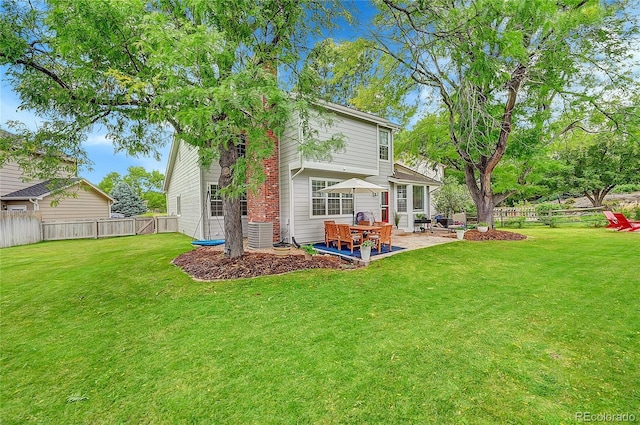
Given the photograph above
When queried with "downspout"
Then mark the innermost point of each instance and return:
(202, 206)
(34, 201)
(291, 208)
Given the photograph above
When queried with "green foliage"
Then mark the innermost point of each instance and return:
(353, 73)
(594, 220)
(593, 164)
(309, 249)
(207, 70)
(516, 222)
(451, 197)
(545, 213)
(147, 185)
(498, 76)
(127, 202)
(627, 188)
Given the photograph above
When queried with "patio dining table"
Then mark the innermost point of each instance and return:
(364, 230)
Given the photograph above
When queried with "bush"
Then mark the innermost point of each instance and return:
(627, 188)
(594, 220)
(516, 222)
(545, 213)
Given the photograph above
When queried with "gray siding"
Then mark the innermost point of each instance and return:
(310, 228)
(186, 184)
(289, 142)
(214, 226)
(359, 159)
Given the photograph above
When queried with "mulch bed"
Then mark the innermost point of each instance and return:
(493, 235)
(208, 263)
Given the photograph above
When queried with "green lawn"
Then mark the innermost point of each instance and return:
(109, 332)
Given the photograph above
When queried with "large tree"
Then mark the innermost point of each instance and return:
(502, 71)
(592, 158)
(206, 69)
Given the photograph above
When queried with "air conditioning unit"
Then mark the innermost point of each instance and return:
(260, 235)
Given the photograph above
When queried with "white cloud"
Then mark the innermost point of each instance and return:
(98, 140)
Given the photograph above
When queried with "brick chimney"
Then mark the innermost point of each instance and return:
(264, 204)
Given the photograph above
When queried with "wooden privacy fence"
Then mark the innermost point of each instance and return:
(21, 228)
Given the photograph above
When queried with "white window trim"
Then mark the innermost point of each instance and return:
(424, 200)
(389, 151)
(209, 213)
(310, 186)
(406, 199)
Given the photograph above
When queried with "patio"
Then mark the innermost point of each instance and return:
(401, 242)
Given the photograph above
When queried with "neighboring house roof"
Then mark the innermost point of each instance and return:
(46, 188)
(402, 174)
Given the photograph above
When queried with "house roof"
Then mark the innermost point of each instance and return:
(45, 188)
(357, 113)
(402, 174)
(346, 110)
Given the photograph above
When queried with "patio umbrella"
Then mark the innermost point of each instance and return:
(354, 186)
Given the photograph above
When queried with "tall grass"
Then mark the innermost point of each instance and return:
(535, 331)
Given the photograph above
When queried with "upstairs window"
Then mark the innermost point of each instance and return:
(241, 147)
(384, 141)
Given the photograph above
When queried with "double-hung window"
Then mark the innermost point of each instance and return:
(325, 204)
(216, 202)
(384, 139)
(401, 192)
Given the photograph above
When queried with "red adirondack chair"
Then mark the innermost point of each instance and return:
(613, 221)
(626, 225)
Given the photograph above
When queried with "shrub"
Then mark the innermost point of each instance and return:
(517, 222)
(594, 220)
(627, 188)
(545, 213)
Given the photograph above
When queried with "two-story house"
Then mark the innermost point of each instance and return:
(67, 197)
(291, 199)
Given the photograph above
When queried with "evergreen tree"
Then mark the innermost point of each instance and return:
(127, 202)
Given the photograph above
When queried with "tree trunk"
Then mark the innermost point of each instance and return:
(233, 243)
(482, 195)
(597, 196)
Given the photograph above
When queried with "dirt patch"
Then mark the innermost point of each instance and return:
(493, 235)
(207, 263)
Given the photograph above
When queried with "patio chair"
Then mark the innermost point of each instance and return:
(613, 221)
(330, 232)
(346, 237)
(383, 237)
(626, 225)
